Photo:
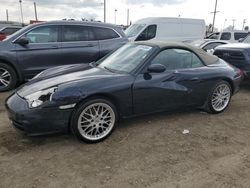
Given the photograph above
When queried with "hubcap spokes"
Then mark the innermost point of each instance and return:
(96, 121)
(221, 97)
(5, 77)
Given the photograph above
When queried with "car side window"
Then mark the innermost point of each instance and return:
(10, 30)
(102, 33)
(177, 59)
(238, 36)
(148, 33)
(225, 36)
(43, 34)
(214, 36)
(73, 33)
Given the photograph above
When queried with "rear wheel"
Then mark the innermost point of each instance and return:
(94, 120)
(219, 97)
(8, 77)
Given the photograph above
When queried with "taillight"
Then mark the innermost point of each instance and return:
(239, 73)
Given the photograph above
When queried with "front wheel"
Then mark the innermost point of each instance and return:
(219, 98)
(94, 120)
(8, 77)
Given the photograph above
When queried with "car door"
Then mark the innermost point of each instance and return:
(160, 91)
(79, 44)
(42, 52)
(184, 83)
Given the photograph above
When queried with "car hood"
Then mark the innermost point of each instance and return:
(61, 75)
(233, 46)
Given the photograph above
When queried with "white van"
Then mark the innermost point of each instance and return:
(167, 29)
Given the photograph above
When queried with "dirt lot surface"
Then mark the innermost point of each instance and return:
(143, 152)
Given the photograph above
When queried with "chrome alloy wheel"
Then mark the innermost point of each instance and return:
(221, 97)
(96, 121)
(5, 77)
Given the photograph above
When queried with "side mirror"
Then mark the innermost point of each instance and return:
(22, 41)
(241, 40)
(141, 37)
(156, 68)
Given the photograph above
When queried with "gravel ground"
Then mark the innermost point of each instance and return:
(148, 151)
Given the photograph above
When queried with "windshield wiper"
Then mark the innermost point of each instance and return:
(109, 69)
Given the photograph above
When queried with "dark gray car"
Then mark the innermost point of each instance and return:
(41, 46)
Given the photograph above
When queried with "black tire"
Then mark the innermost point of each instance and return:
(79, 110)
(12, 79)
(209, 106)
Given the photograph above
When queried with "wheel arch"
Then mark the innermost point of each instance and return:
(18, 73)
(105, 96)
(230, 83)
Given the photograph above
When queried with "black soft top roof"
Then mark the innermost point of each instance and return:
(208, 59)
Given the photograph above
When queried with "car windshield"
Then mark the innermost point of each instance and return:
(125, 59)
(134, 30)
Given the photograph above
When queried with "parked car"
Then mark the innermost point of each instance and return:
(213, 36)
(237, 54)
(138, 78)
(44, 45)
(208, 45)
(245, 40)
(166, 29)
(232, 36)
(6, 31)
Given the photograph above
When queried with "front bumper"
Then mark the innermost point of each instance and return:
(37, 121)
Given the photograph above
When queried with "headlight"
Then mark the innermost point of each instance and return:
(38, 98)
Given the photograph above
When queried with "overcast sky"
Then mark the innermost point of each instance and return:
(77, 9)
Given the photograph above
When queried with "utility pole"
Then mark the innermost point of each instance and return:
(224, 24)
(115, 15)
(244, 22)
(35, 11)
(127, 17)
(233, 22)
(21, 10)
(7, 15)
(215, 12)
(104, 4)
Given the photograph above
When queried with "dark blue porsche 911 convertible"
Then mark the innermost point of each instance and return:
(138, 78)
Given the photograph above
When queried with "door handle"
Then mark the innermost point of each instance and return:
(54, 47)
